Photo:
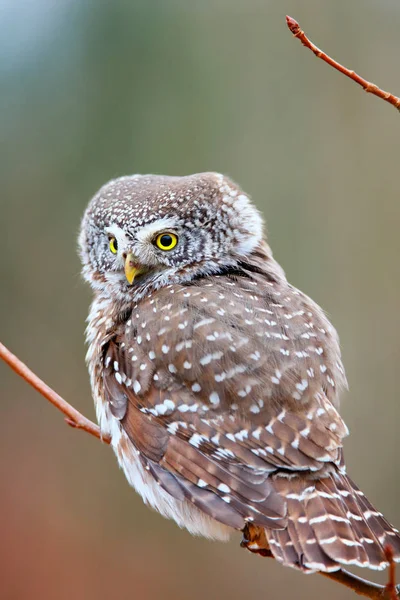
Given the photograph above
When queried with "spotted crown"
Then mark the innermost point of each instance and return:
(215, 221)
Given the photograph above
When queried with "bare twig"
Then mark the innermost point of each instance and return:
(73, 417)
(363, 587)
(366, 85)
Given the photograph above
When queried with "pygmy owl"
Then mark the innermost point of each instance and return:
(216, 379)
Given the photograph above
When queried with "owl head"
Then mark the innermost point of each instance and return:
(144, 230)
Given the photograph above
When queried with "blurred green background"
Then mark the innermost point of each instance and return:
(90, 90)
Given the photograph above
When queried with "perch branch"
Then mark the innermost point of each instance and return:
(252, 533)
(369, 87)
(363, 587)
(73, 417)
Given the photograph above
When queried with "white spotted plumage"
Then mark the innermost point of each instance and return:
(218, 381)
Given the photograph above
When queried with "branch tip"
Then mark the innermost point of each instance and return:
(369, 87)
(293, 25)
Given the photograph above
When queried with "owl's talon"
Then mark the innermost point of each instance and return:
(246, 539)
(255, 540)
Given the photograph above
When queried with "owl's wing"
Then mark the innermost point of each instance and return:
(217, 394)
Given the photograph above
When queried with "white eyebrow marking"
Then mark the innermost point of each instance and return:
(147, 232)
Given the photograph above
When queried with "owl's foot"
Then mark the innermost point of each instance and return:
(255, 540)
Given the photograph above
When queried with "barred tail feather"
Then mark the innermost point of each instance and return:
(330, 523)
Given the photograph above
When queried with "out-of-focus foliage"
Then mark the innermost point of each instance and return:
(95, 89)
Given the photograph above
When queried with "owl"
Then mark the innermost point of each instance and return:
(217, 381)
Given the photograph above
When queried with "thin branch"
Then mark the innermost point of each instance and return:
(369, 87)
(251, 533)
(363, 587)
(73, 417)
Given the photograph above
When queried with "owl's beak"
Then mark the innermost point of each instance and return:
(131, 268)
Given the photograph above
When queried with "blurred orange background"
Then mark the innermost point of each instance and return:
(91, 90)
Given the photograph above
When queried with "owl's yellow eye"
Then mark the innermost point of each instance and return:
(166, 241)
(113, 245)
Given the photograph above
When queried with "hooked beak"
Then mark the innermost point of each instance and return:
(131, 268)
